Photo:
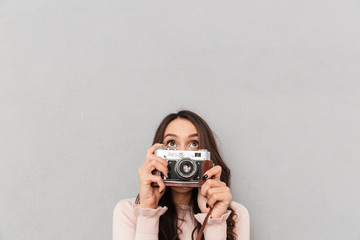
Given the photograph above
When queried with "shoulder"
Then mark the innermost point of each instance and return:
(125, 205)
(124, 208)
(242, 220)
(240, 210)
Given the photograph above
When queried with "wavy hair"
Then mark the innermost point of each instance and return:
(168, 227)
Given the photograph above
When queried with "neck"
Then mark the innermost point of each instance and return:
(180, 198)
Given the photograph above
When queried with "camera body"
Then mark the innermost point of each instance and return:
(185, 168)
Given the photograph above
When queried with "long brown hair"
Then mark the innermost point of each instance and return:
(168, 227)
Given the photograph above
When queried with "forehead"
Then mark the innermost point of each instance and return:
(180, 126)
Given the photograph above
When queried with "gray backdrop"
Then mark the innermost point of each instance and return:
(84, 84)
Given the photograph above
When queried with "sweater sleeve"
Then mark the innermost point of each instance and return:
(242, 221)
(130, 221)
(216, 228)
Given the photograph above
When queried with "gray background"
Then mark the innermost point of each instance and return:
(84, 84)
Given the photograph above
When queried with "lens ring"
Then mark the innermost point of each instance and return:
(180, 173)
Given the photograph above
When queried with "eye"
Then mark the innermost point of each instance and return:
(171, 143)
(194, 144)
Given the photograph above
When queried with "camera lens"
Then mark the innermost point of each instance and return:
(185, 168)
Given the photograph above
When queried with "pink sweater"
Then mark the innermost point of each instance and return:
(130, 222)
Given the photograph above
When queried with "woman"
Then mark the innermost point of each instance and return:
(168, 213)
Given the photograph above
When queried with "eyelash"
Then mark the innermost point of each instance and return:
(197, 143)
(172, 141)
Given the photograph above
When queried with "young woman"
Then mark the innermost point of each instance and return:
(170, 213)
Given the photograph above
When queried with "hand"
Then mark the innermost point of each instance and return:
(215, 193)
(150, 196)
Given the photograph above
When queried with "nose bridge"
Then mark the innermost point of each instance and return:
(182, 144)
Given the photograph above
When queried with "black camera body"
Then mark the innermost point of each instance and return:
(186, 168)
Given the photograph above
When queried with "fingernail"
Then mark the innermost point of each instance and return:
(205, 176)
(207, 205)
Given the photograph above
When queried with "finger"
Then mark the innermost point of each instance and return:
(149, 166)
(221, 196)
(158, 180)
(218, 190)
(222, 199)
(160, 159)
(211, 183)
(152, 149)
(156, 165)
(162, 192)
(214, 173)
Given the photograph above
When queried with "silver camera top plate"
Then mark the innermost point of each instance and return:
(168, 154)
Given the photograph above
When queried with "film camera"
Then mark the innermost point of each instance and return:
(186, 168)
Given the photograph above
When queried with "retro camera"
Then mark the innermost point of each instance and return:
(186, 168)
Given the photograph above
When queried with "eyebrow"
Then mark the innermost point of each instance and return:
(173, 135)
